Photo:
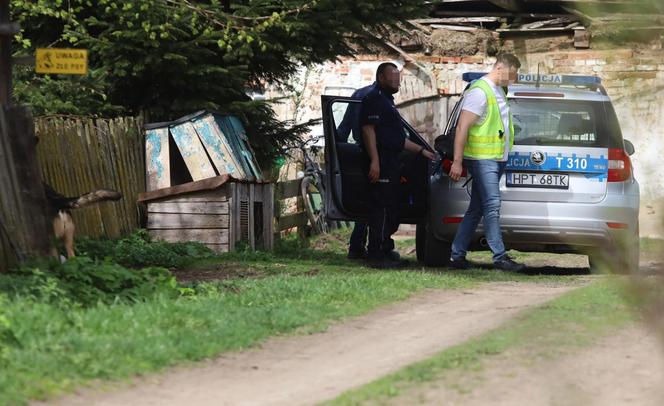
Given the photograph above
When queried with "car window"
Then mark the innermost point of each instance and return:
(557, 123)
(346, 116)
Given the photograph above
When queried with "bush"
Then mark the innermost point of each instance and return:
(137, 250)
(84, 281)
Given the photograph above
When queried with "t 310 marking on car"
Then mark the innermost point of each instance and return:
(557, 162)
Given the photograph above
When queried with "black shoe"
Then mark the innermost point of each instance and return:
(387, 263)
(357, 254)
(507, 264)
(394, 256)
(462, 263)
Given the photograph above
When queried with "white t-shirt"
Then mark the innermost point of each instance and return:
(475, 102)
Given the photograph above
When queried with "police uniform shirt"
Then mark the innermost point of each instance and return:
(378, 109)
(475, 101)
(351, 121)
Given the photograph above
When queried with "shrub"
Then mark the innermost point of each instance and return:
(137, 250)
(84, 281)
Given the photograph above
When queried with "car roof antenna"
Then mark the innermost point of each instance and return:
(537, 84)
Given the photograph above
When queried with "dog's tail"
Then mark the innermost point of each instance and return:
(96, 196)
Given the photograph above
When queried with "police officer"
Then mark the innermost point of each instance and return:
(384, 137)
(484, 136)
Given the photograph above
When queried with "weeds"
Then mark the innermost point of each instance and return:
(138, 250)
(85, 282)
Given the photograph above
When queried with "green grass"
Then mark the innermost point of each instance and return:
(574, 320)
(51, 347)
(57, 349)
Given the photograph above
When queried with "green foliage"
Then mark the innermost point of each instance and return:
(137, 250)
(168, 58)
(83, 281)
(7, 336)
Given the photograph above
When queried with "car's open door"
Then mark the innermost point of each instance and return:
(347, 166)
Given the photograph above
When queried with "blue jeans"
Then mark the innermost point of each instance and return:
(484, 202)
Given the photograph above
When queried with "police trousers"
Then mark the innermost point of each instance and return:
(383, 218)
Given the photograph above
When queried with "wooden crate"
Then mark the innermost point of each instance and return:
(218, 212)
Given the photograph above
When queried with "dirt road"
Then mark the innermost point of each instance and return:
(624, 369)
(304, 370)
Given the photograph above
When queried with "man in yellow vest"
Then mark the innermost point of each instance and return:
(484, 137)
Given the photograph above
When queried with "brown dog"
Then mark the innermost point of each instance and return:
(60, 206)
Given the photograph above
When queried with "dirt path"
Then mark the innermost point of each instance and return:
(303, 370)
(624, 369)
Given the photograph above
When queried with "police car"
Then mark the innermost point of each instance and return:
(568, 184)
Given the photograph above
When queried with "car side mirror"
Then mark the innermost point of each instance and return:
(629, 147)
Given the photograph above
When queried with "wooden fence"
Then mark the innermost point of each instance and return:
(286, 220)
(79, 155)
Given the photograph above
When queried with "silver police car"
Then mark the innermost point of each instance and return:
(568, 187)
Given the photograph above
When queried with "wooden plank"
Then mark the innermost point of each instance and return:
(551, 29)
(219, 195)
(205, 236)
(169, 220)
(453, 27)
(189, 207)
(215, 147)
(553, 21)
(299, 220)
(158, 168)
(235, 166)
(268, 216)
(192, 151)
(287, 189)
(205, 184)
(466, 13)
(451, 20)
(233, 200)
(252, 219)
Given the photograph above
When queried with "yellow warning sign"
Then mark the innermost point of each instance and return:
(62, 60)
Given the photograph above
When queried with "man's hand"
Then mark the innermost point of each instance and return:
(429, 155)
(455, 170)
(466, 120)
(374, 171)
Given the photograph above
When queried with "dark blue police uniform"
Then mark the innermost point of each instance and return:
(351, 120)
(378, 109)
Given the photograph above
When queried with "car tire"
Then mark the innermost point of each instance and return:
(420, 241)
(436, 252)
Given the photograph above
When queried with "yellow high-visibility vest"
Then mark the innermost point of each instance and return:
(484, 139)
